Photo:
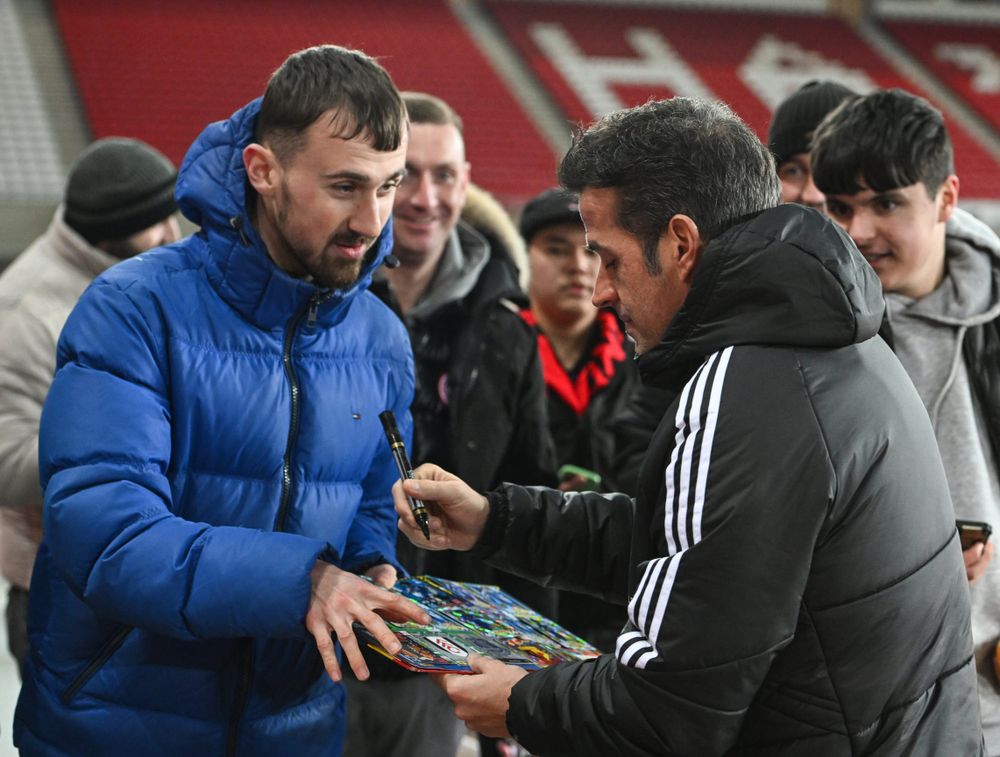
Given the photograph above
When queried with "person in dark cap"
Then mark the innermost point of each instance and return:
(586, 357)
(589, 371)
(790, 134)
(119, 201)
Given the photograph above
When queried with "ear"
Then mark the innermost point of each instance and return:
(947, 198)
(262, 167)
(685, 245)
(464, 180)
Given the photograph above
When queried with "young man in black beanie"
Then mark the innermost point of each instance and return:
(119, 201)
(790, 133)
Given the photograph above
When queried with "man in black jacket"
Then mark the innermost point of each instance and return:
(589, 371)
(479, 403)
(793, 574)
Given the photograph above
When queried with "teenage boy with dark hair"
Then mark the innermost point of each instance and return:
(885, 163)
(791, 563)
(215, 472)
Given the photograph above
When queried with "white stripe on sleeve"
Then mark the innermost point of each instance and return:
(648, 608)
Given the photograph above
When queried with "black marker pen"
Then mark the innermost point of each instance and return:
(417, 507)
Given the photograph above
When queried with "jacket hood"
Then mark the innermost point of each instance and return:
(484, 213)
(970, 293)
(789, 276)
(212, 193)
(465, 256)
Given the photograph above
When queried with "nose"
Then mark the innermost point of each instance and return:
(580, 260)
(424, 195)
(861, 229)
(367, 218)
(605, 295)
(811, 195)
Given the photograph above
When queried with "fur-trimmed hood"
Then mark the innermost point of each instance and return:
(484, 213)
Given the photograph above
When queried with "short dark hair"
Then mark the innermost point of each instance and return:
(319, 79)
(683, 155)
(423, 108)
(889, 138)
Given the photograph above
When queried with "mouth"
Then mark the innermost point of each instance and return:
(417, 223)
(353, 249)
(876, 258)
(578, 290)
(626, 323)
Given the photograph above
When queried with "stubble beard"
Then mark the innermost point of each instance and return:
(327, 269)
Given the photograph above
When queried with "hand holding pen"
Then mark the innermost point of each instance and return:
(398, 448)
(460, 512)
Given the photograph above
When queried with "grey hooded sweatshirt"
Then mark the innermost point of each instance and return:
(928, 336)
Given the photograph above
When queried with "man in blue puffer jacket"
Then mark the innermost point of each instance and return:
(215, 471)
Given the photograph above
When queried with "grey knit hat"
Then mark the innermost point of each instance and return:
(797, 117)
(118, 187)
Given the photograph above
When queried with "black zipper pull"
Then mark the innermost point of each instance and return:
(313, 308)
(236, 222)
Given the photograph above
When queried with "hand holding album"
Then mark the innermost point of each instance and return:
(475, 618)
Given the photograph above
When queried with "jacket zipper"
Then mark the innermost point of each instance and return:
(242, 694)
(109, 648)
(246, 653)
(293, 427)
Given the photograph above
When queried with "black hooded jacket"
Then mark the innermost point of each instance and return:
(791, 564)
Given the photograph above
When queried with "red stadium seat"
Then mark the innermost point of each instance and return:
(162, 71)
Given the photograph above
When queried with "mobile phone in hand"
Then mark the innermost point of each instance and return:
(590, 477)
(972, 532)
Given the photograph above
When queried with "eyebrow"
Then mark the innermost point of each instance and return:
(410, 166)
(597, 247)
(891, 194)
(360, 178)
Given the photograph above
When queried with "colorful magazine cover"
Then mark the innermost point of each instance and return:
(475, 618)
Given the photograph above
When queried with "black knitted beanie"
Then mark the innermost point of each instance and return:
(797, 117)
(118, 187)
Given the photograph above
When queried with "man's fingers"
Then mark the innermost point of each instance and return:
(441, 679)
(377, 628)
(437, 491)
(439, 540)
(349, 643)
(432, 472)
(383, 575)
(324, 643)
(481, 663)
(402, 609)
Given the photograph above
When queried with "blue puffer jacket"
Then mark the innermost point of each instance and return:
(211, 431)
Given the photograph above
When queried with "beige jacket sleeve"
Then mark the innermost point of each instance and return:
(27, 363)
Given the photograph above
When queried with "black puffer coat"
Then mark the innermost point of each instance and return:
(793, 572)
